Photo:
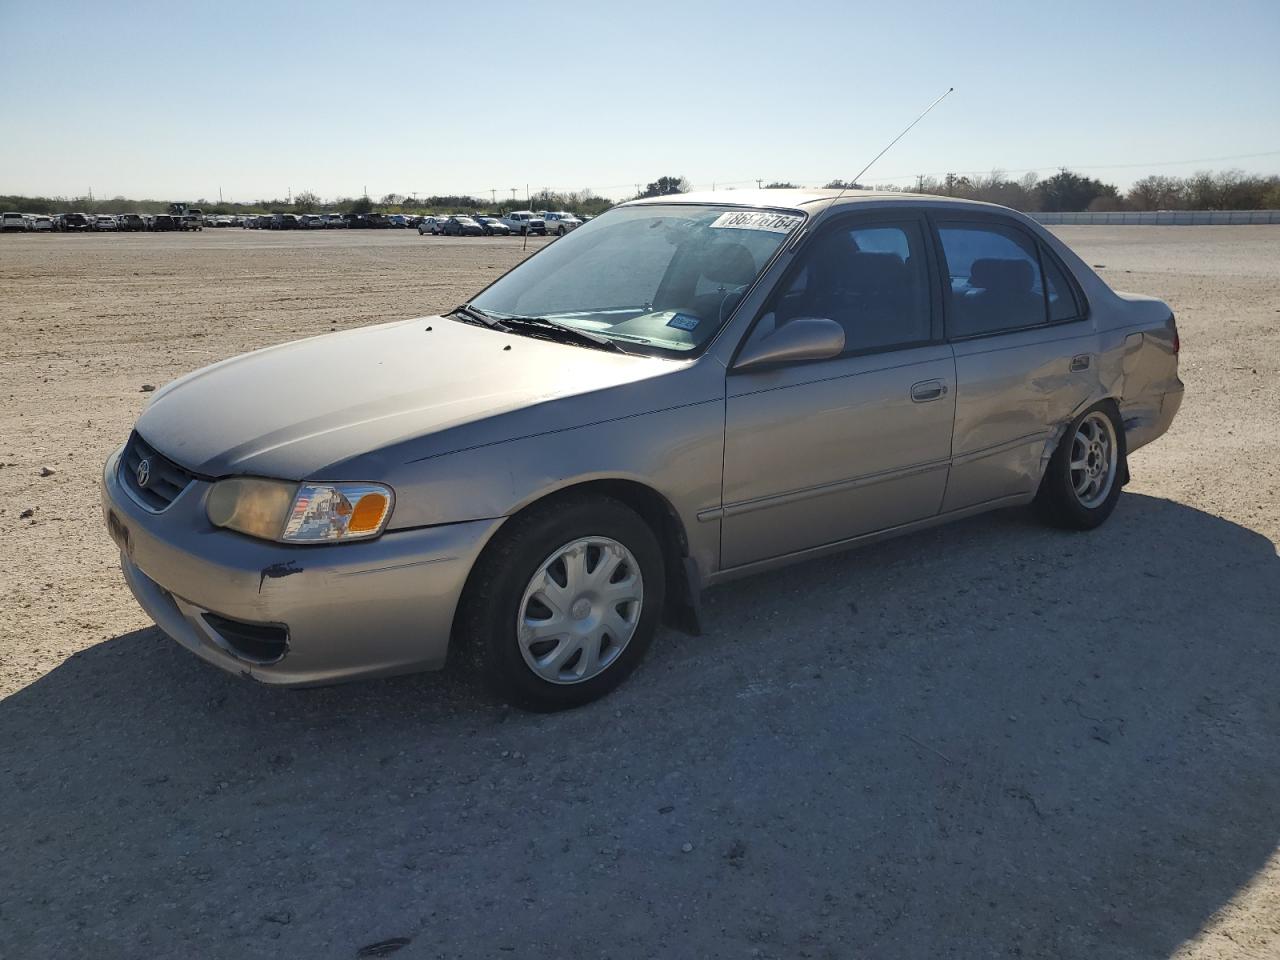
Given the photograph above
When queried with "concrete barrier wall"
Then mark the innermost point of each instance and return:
(1164, 217)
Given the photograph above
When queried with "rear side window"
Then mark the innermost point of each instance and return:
(995, 279)
(1062, 298)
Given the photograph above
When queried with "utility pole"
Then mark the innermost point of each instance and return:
(759, 180)
(219, 196)
(493, 196)
(513, 194)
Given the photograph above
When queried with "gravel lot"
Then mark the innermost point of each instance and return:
(991, 739)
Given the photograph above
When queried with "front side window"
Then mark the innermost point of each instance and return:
(656, 278)
(870, 278)
(995, 279)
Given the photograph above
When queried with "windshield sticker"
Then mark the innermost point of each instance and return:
(683, 321)
(750, 220)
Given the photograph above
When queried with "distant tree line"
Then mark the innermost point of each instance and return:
(1069, 191)
(1064, 191)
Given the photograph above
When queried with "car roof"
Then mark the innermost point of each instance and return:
(805, 199)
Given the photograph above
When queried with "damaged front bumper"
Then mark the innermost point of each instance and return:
(292, 615)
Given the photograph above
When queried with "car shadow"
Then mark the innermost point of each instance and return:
(990, 738)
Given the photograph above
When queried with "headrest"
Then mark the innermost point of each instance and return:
(1003, 275)
(729, 263)
(877, 268)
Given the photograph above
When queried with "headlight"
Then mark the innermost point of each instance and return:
(338, 511)
(249, 505)
(300, 513)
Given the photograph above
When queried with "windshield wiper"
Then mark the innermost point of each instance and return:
(469, 314)
(560, 332)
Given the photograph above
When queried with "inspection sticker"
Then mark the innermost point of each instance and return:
(683, 321)
(752, 220)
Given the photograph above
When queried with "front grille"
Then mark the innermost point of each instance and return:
(164, 479)
(259, 642)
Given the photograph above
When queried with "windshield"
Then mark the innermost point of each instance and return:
(660, 278)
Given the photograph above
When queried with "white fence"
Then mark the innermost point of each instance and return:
(1164, 217)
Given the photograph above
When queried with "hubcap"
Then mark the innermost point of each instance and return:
(580, 610)
(1093, 459)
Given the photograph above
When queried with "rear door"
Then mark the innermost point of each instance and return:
(1026, 359)
(822, 451)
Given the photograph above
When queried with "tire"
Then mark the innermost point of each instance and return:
(560, 232)
(504, 603)
(1082, 498)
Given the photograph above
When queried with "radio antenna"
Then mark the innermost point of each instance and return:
(890, 144)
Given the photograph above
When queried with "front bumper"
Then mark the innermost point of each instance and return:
(364, 609)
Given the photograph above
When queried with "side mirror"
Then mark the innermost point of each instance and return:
(804, 338)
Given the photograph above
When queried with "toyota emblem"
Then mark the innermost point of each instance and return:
(143, 473)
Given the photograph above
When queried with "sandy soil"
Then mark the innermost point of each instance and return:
(992, 739)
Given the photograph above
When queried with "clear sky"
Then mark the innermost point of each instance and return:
(174, 100)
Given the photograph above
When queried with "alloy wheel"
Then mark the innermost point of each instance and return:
(1093, 459)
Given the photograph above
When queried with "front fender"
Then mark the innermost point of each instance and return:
(678, 453)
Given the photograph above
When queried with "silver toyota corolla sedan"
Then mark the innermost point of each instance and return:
(683, 390)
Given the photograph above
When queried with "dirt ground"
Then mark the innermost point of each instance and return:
(991, 739)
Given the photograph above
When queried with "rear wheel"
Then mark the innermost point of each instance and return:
(562, 608)
(1082, 483)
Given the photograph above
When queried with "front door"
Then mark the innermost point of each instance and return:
(823, 451)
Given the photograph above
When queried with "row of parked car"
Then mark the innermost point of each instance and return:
(457, 224)
(517, 221)
(557, 222)
(94, 223)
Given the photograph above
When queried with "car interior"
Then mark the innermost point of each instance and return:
(879, 296)
(1006, 288)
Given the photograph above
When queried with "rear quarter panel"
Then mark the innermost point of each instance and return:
(1137, 334)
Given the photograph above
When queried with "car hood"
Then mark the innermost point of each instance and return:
(419, 388)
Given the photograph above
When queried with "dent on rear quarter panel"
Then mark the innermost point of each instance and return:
(1150, 375)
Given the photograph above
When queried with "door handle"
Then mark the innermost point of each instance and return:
(1079, 362)
(927, 390)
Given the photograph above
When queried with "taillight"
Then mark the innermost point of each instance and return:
(1177, 343)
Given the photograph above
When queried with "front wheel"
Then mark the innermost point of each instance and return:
(562, 607)
(1082, 483)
